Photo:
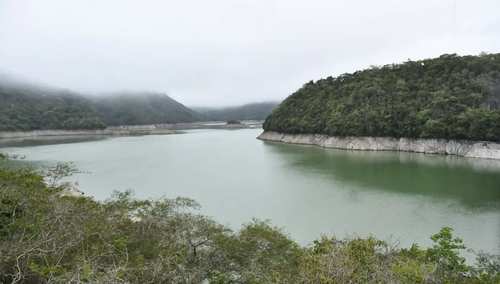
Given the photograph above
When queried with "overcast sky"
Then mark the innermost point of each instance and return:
(226, 52)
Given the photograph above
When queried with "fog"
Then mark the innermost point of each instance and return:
(226, 52)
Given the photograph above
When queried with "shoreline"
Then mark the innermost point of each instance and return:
(462, 148)
(70, 134)
(125, 130)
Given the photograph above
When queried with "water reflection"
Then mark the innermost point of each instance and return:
(474, 183)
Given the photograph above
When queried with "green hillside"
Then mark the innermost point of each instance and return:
(142, 108)
(28, 107)
(453, 97)
(25, 106)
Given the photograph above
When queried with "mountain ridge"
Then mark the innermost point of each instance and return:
(28, 106)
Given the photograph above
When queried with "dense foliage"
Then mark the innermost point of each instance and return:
(253, 111)
(50, 236)
(448, 97)
(24, 107)
(143, 108)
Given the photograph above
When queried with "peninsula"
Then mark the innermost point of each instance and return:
(445, 105)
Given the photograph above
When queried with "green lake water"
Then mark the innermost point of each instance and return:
(308, 191)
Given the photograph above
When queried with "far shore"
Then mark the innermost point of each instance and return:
(125, 130)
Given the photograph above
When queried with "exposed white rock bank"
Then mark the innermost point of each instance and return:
(110, 131)
(464, 148)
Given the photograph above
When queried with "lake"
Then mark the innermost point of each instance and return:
(308, 191)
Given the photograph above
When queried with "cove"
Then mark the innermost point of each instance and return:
(306, 190)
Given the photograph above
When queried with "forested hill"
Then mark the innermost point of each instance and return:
(453, 97)
(29, 107)
(252, 111)
(142, 108)
(25, 106)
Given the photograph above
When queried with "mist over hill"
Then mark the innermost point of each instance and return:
(28, 106)
(141, 108)
(251, 111)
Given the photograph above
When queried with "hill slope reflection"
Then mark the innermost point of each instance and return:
(442, 177)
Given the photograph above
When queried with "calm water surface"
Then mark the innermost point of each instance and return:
(308, 191)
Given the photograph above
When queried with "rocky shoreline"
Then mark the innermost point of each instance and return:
(126, 130)
(464, 148)
(111, 131)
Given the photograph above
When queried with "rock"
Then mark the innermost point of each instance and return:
(464, 148)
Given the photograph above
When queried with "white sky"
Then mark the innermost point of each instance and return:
(226, 52)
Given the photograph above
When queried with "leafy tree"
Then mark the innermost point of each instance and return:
(446, 253)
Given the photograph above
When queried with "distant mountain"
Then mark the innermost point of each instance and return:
(142, 108)
(252, 111)
(26, 106)
(451, 97)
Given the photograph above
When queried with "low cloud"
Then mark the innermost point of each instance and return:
(225, 52)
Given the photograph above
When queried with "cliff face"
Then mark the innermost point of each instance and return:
(464, 148)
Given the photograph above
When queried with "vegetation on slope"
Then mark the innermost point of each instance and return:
(27, 107)
(47, 236)
(253, 111)
(449, 97)
(142, 108)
